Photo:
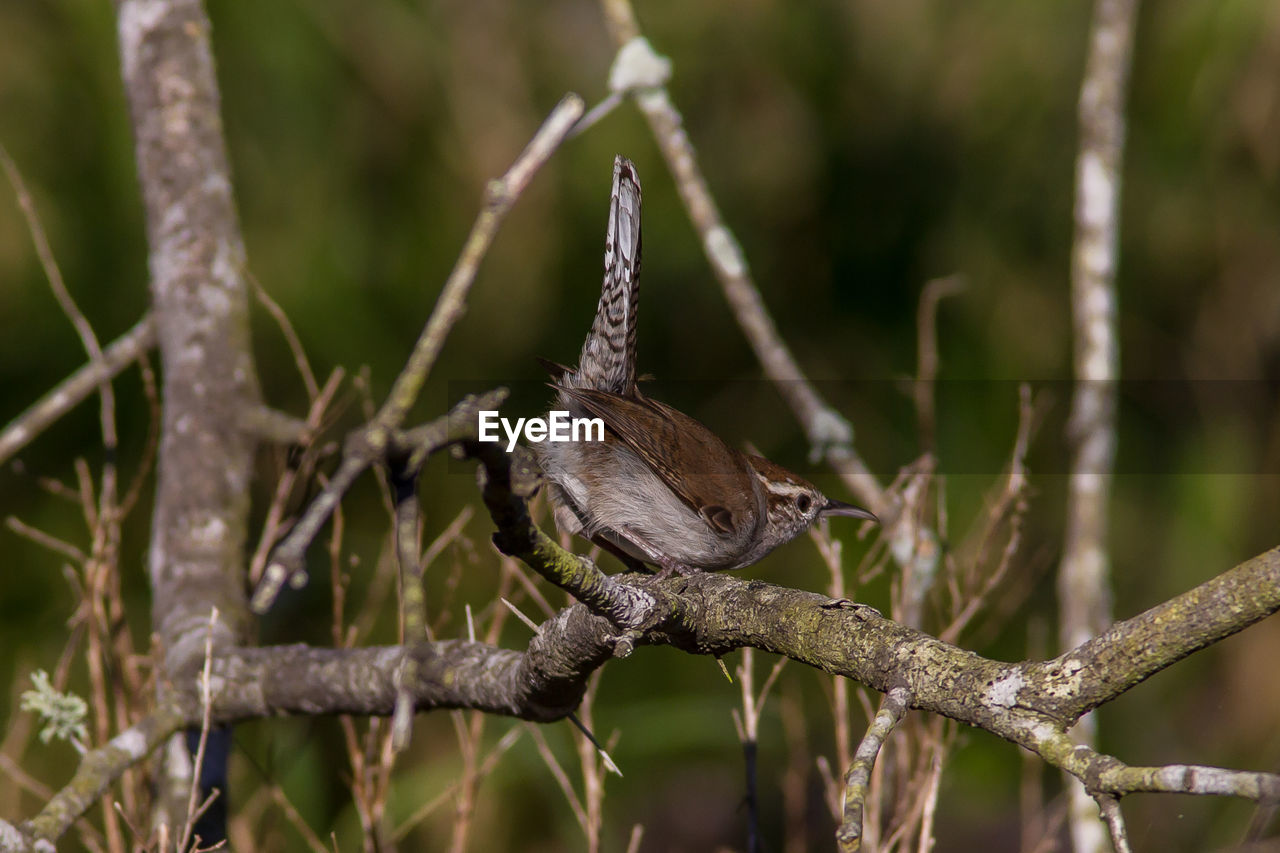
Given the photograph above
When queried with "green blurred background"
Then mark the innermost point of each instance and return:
(858, 150)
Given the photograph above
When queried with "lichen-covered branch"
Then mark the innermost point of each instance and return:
(98, 769)
(1032, 704)
(1137, 648)
(857, 780)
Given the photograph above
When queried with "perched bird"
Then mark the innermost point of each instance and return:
(661, 488)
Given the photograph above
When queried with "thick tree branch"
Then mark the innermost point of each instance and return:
(1137, 648)
(1031, 704)
(201, 311)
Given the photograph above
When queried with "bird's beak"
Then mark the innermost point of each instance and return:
(834, 507)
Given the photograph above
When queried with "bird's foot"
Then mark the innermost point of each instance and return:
(669, 568)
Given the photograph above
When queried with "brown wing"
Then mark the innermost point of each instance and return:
(689, 458)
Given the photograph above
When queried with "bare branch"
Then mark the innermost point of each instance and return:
(88, 339)
(1110, 808)
(500, 196)
(858, 779)
(371, 443)
(363, 448)
(1030, 704)
(201, 311)
(98, 769)
(71, 391)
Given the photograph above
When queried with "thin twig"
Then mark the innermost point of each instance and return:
(490, 762)
(47, 540)
(857, 780)
(1010, 505)
(562, 778)
(290, 335)
(927, 354)
(88, 339)
(637, 835)
(299, 823)
(500, 196)
(70, 392)
(371, 443)
(206, 716)
(284, 486)
(1110, 808)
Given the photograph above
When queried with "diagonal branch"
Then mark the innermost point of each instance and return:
(371, 443)
(71, 391)
(858, 780)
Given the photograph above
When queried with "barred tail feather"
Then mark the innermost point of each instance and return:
(608, 360)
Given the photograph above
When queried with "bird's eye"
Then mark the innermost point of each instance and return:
(803, 502)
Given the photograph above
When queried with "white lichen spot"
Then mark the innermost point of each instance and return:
(10, 837)
(132, 742)
(209, 534)
(1042, 731)
(183, 425)
(177, 759)
(226, 266)
(827, 430)
(137, 18)
(1097, 190)
(1067, 681)
(191, 354)
(1004, 692)
(1098, 365)
(216, 302)
(724, 252)
(638, 66)
(215, 183)
(174, 219)
(1097, 303)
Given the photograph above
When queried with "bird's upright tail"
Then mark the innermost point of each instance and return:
(608, 360)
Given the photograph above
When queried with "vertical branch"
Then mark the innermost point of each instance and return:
(858, 778)
(1084, 595)
(202, 323)
(201, 305)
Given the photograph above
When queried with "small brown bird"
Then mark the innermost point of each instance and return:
(661, 488)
